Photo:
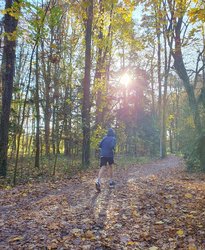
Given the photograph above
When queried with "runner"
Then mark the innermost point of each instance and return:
(107, 146)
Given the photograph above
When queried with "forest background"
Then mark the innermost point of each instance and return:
(72, 69)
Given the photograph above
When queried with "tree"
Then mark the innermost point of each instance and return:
(12, 10)
(154, 20)
(86, 85)
(37, 155)
(176, 13)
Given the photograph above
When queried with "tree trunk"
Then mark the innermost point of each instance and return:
(46, 69)
(100, 72)
(152, 82)
(86, 88)
(160, 91)
(56, 100)
(182, 72)
(53, 129)
(201, 151)
(167, 64)
(37, 156)
(68, 122)
(170, 140)
(8, 70)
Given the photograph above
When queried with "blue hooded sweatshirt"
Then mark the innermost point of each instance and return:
(107, 144)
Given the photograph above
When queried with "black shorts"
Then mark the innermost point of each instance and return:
(105, 160)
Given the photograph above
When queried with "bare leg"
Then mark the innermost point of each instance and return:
(102, 169)
(111, 172)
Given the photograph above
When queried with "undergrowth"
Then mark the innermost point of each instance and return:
(66, 167)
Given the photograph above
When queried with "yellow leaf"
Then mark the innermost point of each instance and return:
(53, 46)
(8, 188)
(135, 213)
(153, 248)
(130, 243)
(17, 238)
(190, 216)
(188, 196)
(159, 222)
(180, 232)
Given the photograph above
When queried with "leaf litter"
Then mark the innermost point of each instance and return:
(154, 206)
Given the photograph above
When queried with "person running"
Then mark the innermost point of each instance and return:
(107, 146)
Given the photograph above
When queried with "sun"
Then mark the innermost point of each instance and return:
(125, 79)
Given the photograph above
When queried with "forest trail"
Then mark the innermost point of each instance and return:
(154, 206)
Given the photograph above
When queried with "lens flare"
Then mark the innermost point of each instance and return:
(125, 80)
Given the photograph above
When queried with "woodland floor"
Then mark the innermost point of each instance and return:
(153, 206)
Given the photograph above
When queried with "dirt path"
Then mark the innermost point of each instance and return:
(154, 206)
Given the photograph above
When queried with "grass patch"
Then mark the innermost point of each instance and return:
(66, 167)
(26, 171)
(126, 160)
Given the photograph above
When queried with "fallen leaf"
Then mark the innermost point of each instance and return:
(76, 231)
(135, 214)
(192, 247)
(153, 248)
(188, 196)
(180, 233)
(159, 222)
(89, 234)
(16, 238)
(131, 243)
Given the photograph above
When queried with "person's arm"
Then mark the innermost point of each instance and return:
(100, 144)
(114, 143)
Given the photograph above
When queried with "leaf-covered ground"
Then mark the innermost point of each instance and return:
(154, 206)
